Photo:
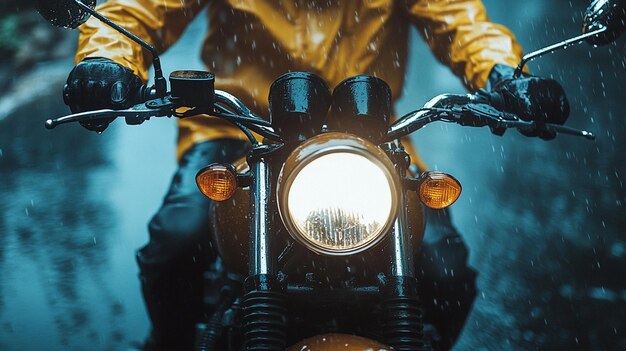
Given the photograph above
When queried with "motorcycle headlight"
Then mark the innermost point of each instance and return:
(338, 194)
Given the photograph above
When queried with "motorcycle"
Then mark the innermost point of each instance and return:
(324, 212)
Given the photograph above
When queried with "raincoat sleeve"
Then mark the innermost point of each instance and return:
(159, 22)
(461, 36)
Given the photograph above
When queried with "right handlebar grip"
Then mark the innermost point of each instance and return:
(496, 100)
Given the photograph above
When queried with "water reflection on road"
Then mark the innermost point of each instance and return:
(73, 209)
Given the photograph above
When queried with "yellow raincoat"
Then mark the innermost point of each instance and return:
(249, 43)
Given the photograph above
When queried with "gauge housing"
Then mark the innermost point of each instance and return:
(361, 105)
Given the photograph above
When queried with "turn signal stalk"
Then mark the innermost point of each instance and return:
(438, 190)
(217, 181)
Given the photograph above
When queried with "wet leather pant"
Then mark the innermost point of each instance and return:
(171, 265)
(179, 251)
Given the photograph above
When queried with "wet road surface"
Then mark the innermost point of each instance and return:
(545, 221)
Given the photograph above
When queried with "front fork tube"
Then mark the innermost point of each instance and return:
(402, 264)
(261, 259)
(264, 302)
(402, 314)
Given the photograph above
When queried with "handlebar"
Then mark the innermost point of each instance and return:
(227, 107)
(466, 110)
(470, 110)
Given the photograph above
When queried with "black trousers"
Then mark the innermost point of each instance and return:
(179, 251)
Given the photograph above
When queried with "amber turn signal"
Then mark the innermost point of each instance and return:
(217, 181)
(438, 190)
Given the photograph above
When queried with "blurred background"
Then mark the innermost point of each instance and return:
(545, 221)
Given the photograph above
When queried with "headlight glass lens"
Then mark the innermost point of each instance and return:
(341, 201)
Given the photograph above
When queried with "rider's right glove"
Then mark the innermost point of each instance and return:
(530, 98)
(99, 83)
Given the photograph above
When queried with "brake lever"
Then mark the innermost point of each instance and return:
(499, 121)
(480, 115)
(161, 107)
(561, 129)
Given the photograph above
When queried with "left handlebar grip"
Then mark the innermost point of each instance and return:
(142, 94)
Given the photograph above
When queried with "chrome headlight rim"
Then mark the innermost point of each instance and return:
(317, 147)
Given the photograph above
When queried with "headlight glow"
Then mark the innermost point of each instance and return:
(338, 200)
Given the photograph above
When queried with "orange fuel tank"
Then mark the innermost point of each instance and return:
(338, 342)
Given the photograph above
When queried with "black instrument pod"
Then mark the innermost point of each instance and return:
(193, 92)
(299, 102)
(362, 106)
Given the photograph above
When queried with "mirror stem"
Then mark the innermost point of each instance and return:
(553, 48)
(160, 83)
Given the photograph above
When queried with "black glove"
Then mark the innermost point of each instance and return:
(530, 98)
(99, 83)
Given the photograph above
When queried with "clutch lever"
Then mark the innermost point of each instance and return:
(161, 107)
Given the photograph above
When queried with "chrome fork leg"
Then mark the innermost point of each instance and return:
(402, 261)
(264, 304)
(402, 314)
(260, 248)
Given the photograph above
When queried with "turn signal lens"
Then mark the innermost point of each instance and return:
(218, 182)
(439, 190)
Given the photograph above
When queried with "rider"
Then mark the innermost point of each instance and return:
(249, 44)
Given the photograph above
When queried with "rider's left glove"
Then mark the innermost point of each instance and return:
(530, 98)
(99, 83)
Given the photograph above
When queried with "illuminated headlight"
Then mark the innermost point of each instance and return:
(338, 194)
